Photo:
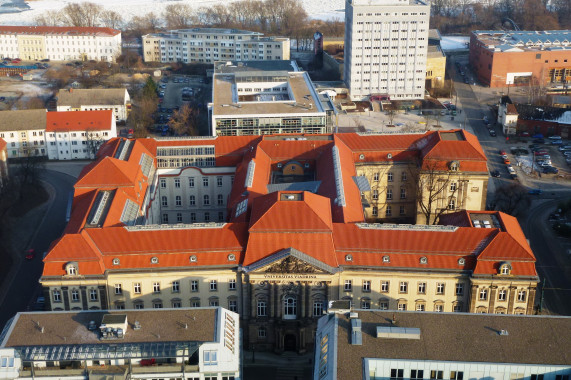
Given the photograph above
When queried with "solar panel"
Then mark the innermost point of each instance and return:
(130, 213)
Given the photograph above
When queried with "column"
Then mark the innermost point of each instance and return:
(103, 297)
(47, 297)
(492, 304)
(473, 297)
(271, 299)
(252, 300)
(531, 301)
(64, 293)
(279, 303)
(84, 297)
(326, 284)
(511, 299)
(245, 297)
(302, 288)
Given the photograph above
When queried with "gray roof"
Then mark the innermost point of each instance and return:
(86, 97)
(276, 67)
(22, 120)
(311, 186)
(458, 337)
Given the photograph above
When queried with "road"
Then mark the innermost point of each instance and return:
(25, 287)
(552, 261)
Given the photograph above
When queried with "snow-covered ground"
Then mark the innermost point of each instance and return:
(128, 8)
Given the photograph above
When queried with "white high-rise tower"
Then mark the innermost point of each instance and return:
(386, 47)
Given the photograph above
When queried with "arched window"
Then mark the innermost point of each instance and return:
(505, 269)
(262, 309)
(290, 307)
(71, 269)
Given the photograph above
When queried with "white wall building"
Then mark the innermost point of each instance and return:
(78, 135)
(372, 345)
(209, 45)
(189, 344)
(23, 131)
(386, 48)
(33, 43)
(115, 99)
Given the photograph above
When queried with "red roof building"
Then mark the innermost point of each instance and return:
(291, 233)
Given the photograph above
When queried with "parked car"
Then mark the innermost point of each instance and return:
(539, 141)
(507, 161)
(554, 138)
(535, 191)
(524, 134)
(550, 170)
(495, 173)
(540, 152)
(556, 142)
(492, 133)
(503, 152)
(510, 169)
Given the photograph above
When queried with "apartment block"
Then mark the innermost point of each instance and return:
(91, 99)
(386, 48)
(208, 45)
(34, 43)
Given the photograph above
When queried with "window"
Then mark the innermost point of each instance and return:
(195, 302)
(505, 269)
(219, 181)
(93, 295)
(206, 217)
(365, 303)
(139, 305)
(213, 285)
(137, 288)
(177, 183)
(376, 176)
(456, 375)
(439, 308)
(262, 308)
(389, 177)
(453, 186)
(164, 201)
(163, 183)
(262, 332)
(71, 270)
(205, 181)
(416, 374)
(403, 288)
(375, 194)
(156, 287)
(402, 211)
(397, 374)
(190, 181)
(194, 286)
(232, 284)
(483, 294)
(290, 307)
(457, 308)
(384, 286)
(388, 211)
(452, 204)
(366, 286)
(384, 305)
(165, 218)
(536, 377)
(317, 308)
(118, 289)
(220, 200)
(422, 288)
(175, 304)
(220, 216)
(436, 374)
(403, 178)
(178, 201)
(213, 301)
(401, 306)
(210, 358)
(459, 289)
(502, 295)
(348, 285)
(375, 211)
(206, 201)
(75, 295)
(192, 200)
(402, 193)
(440, 288)
(521, 296)
(389, 194)
(175, 286)
(179, 217)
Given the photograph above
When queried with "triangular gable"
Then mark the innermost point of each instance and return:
(108, 171)
(290, 260)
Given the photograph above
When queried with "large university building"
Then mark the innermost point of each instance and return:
(386, 48)
(34, 43)
(274, 227)
(208, 45)
(501, 58)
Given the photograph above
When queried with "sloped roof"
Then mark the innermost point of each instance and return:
(60, 30)
(106, 173)
(79, 121)
(23, 120)
(91, 97)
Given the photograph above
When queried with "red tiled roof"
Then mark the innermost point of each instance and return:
(82, 202)
(59, 30)
(79, 121)
(363, 143)
(519, 268)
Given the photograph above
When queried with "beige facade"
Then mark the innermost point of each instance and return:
(31, 47)
(435, 66)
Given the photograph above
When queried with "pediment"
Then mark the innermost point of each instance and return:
(289, 261)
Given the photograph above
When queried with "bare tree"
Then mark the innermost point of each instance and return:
(512, 199)
(391, 113)
(49, 18)
(178, 16)
(93, 140)
(184, 122)
(81, 14)
(434, 193)
(111, 19)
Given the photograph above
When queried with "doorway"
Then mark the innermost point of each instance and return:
(290, 342)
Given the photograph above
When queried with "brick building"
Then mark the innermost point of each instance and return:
(501, 59)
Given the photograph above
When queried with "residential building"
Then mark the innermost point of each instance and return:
(77, 135)
(34, 43)
(189, 344)
(521, 58)
(3, 162)
(518, 119)
(368, 345)
(386, 48)
(56, 135)
(23, 131)
(208, 45)
(144, 232)
(507, 116)
(115, 99)
(255, 98)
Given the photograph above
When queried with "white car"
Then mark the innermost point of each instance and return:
(510, 169)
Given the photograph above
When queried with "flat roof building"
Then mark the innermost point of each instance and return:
(368, 345)
(254, 98)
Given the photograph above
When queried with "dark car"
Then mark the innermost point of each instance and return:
(539, 141)
(535, 191)
(45, 60)
(495, 173)
(550, 170)
(492, 133)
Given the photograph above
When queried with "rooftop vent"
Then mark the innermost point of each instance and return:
(503, 332)
(113, 326)
(390, 332)
(137, 325)
(356, 334)
(353, 315)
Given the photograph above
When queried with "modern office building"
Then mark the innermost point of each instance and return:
(208, 45)
(34, 43)
(503, 59)
(386, 48)
(371, 345)
(274, 227)
(189, 344)
(91, 99)
(255, 98)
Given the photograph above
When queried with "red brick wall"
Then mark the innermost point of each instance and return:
(546, 128)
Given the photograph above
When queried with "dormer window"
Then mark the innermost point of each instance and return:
(349, 258)
(71, 269)
(386, 259)
(231, 257)
(193, 259)
(154, 260)
(505, 269)
(423, 260)
(454, 166)
(461, 261)
(116, 261)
